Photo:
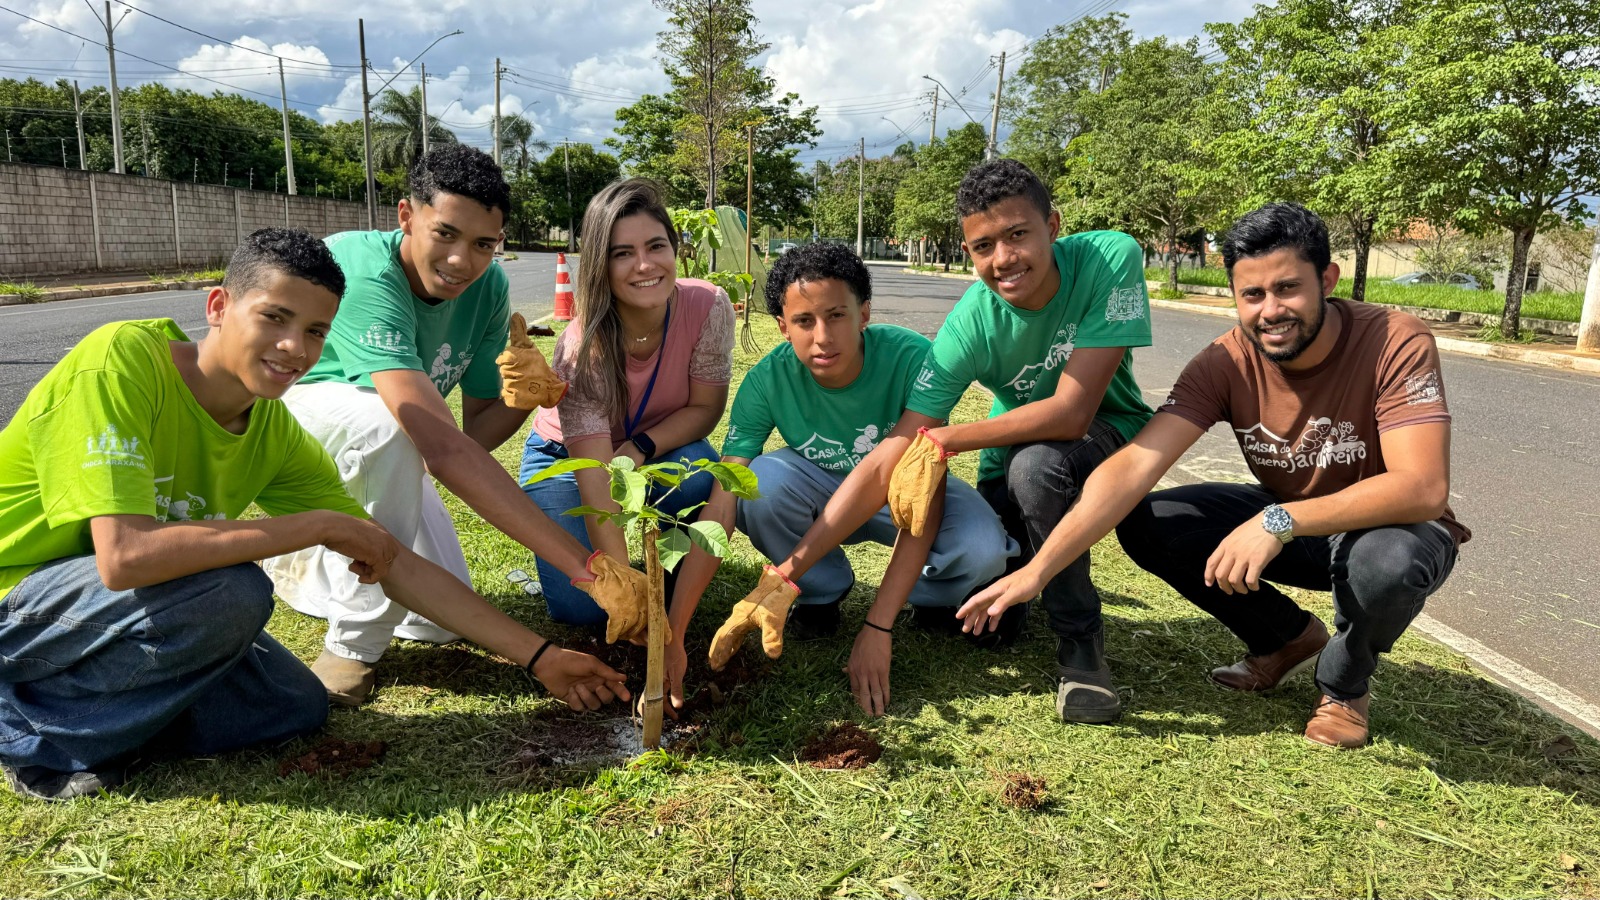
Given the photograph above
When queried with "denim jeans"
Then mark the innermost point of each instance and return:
(89, 675)
(1379, 577)
(970, 549)
(1042, 481)
(556, 495)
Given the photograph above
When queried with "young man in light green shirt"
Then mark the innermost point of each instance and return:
(1048, 331)
(131, 613)
(833, 391)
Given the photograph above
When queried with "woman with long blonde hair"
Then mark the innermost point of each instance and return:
(649, 356)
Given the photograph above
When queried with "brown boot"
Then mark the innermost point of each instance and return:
(1340, 723)
(349, 681)
(1263, 673)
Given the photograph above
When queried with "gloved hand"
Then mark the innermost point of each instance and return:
(915, 478)
(766, 608)
(526, 380)
(623, 592)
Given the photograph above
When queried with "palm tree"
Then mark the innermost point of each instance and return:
(397, 130)
(517, 143)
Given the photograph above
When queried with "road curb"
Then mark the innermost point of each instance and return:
(116, 290)
(1512, 352)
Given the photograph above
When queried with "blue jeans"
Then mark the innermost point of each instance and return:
(88, 674)
(556, 495)
(970, 550)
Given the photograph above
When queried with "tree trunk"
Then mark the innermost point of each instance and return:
(1362, 233)
(655, 659)
(1172, 256)
(1516, 282)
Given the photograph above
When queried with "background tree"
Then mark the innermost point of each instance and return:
(517, 145)
(838, 186)
(706, 50)
(397, 129)
(1144, 164)
(1503, 129)
(590, 171)
(1043, 101)
(1316, 80)
(925, 201)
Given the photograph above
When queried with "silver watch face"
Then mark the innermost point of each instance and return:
(1277, 520)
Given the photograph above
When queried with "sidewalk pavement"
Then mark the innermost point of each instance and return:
(99, 284)
(1554, 351)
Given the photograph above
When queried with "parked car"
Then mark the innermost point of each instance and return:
(785, 247)
(1455, 279)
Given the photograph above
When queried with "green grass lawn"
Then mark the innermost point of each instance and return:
(1467, 790)
(1560, 306)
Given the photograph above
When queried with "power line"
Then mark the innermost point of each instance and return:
(230, 43)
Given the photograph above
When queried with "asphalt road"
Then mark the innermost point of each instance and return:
(1526, 456)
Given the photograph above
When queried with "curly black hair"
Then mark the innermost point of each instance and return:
(1274, 227)
(814, 262)
(287, 250)
(986, 184)
(462, 170)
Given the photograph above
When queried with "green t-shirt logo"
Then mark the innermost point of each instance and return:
(1060, 351)
(111, 449)
(443, 373)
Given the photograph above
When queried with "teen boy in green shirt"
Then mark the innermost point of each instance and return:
(1047, 330)
(833, 392)
(131, 613)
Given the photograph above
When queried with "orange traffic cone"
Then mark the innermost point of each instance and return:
(563, 289)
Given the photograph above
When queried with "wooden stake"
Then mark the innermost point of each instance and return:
(656, 639)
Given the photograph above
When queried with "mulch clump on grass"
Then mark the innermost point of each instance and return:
(842, 747)
(1022, 791)
(334, 758)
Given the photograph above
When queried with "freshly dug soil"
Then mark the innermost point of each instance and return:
(334, 758)
(842, 747)
(1022, 790)
(559, 743)
(710, 690)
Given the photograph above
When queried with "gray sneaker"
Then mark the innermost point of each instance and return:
(1086, 696)
(41, 783)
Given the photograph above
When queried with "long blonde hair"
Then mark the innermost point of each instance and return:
(602, 360)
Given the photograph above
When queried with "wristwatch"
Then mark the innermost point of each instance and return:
(1278, 523)
(645, 445)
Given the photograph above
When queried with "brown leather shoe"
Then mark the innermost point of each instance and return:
(1263, 673)
(1340, 723)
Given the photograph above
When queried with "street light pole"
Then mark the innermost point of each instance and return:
(994, 121)
(952, 98)
(366, 130)
(116, 108)
(861, 198)
(424, 68)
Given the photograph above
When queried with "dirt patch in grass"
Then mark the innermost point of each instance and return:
(709, 690)
(567, 742)
(842, 747)
(1022, 791)
(334, 758)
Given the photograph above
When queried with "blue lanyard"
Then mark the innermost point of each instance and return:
(651, 386)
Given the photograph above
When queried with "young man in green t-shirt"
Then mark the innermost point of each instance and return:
(426, 310)
(131, 613)
(833, 392)
(1047, 331)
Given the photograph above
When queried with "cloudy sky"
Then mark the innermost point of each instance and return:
(569, 64)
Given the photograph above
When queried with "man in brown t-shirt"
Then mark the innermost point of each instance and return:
(1340, 411)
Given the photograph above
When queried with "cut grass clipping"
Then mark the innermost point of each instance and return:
(1466, 791)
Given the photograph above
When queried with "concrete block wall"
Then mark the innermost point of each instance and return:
(47, 221)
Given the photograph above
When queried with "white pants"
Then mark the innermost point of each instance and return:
(384, 472)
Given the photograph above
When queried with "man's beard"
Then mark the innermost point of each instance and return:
(1308, 332)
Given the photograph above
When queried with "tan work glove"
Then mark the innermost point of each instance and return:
(766, 608)
(622, 591)
(526, 380)
(915, 478)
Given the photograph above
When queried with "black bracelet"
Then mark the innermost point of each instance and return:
(536, 654)
(869, 624)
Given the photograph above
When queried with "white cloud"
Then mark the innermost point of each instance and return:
(305, 69)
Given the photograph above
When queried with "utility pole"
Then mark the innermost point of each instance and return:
(994, 121)
(144, 144)
(77, 110)
(8, 145)
(566, 161)
(366, 130)
(497, 71)
(933, 121)
(1589, 320)
(424, 109)
(861, 198)
(63, 153)
(116, 108)
(288, 150)
(816, 233)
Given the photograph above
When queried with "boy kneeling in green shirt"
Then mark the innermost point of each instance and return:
(833, 392)
(131, 610)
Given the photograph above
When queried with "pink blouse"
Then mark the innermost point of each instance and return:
(698, 347)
